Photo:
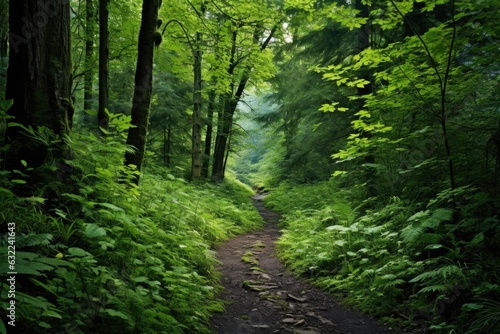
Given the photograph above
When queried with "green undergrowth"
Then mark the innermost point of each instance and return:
(106, 256)
(433, 267)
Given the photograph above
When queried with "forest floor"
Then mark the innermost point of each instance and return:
(263, 297)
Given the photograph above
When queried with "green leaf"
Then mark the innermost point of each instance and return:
(140, 279)
(115, 313)
(111, 207)
(472, 307)
(78, 252)
(52, 314)
(477, 239)
(43, 324)
(94, 231)
(434, 246)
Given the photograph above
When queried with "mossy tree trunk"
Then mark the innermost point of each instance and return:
(39, 82)
(143, 84)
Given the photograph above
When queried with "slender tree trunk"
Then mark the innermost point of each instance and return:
(143, 84)
(169, 144)
(196, 158)
(230, 104)
(102, 117)
(4, 28)
(223, 118)
(165, 145)
(196, 131)
(167, 138)
(223, 128)
(39, 82)
(89, 54)
(228, 150)
(208, 136)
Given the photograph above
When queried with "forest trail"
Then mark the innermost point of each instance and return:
(263, 297)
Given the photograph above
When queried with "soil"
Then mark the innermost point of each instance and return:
(263, 297)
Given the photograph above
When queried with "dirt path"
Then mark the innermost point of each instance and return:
(264, 298)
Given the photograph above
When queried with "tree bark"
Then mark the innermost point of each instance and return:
(143, 85)
(102, 117)
(39, 82)
(208, 135)
(222, 124)
(196, 131)
(89, 54)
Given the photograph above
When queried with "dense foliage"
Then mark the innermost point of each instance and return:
(112, 257)
(374, 123)
(402, 218)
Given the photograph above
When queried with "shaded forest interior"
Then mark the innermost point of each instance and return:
(132, 133)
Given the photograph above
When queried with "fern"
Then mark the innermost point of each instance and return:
(435, 288)
(487, 319)
(422, 222)
(444, 272)
(411, 233)
(29, 240)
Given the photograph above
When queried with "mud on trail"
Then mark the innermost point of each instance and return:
(263, 297)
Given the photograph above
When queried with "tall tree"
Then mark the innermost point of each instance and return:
(196, 161)
(39, 82)
(90, 25)
(196, 156)
(208, 134)
(102, 116)
(224, 123)
(233, 96)
(143, 84)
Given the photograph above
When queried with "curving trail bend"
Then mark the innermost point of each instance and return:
(263, 297)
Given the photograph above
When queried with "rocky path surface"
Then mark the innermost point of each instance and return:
(264, 298)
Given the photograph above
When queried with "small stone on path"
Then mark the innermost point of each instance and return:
(299, 299)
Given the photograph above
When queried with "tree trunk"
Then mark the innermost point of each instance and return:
(4, 28)
(169, 145)
(102, 117)
(39, 82)
(89, 54)
(230, 104)
(167, 139)
(223, 118)
(208, 135)
(143, 85)
(196, 132)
